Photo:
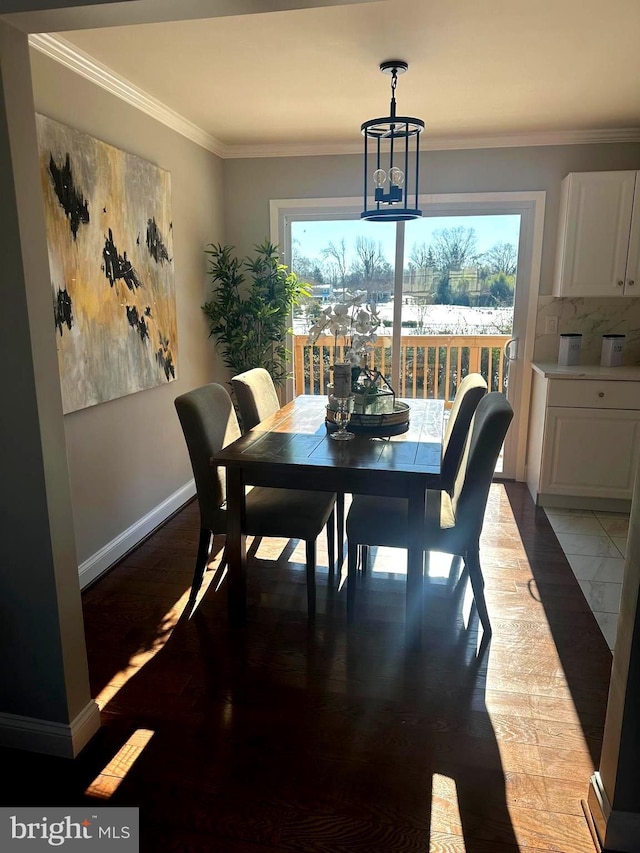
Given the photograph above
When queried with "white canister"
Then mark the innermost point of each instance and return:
(612, 348)
(569, 352)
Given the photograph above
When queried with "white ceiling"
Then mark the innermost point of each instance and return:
(310, 76)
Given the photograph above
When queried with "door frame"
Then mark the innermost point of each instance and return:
(530, 205)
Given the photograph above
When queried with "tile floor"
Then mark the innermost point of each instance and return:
(594, 544)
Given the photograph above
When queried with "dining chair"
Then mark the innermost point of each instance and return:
(384, 521)
(256, 395)
(258, 400)
(209, 423)
(470, 391)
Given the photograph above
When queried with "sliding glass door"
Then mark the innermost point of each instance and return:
(452, 290)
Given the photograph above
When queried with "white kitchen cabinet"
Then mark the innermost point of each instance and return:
(598, 251)
(584, 440)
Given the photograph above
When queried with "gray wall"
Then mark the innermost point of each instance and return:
(128, 455)
(43, 666)
(250, 184)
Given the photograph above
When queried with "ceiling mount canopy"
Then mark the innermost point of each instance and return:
(391, 159)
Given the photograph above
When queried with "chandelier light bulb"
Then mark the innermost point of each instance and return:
(379, 178)
(396, 176)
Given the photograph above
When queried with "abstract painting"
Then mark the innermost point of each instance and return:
(110, 237)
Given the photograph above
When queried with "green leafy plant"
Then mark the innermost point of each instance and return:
(250, 318)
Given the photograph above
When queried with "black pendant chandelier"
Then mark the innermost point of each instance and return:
(391, 160)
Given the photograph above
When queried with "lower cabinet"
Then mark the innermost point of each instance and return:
(584, 442)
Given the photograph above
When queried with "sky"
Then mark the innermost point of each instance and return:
(490, 229)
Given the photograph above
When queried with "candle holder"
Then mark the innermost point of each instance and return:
(343, 406)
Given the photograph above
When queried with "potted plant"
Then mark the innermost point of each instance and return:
(250, 318)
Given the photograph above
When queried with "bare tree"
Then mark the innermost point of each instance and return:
(422, 257)
(503, 257)
(421, 308)
(300, 264)
(331, 273)
(371, 269)
(455, 248)
(421, 269)
(336, 254)
(369, 257)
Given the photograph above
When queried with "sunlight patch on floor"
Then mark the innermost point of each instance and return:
(292, 550)
(394, 561)
(140, 658)
(445, 809)
(110, 778)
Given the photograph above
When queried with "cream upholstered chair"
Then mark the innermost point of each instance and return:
(462, 510)
(258, 400)
(256, 395)
(209, 423)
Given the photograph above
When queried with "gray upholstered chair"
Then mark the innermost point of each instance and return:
(209, 423)
(470, 391)
(462, 510)
(258, 400)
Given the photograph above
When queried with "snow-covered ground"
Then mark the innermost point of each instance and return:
(441, 320)
(453, 319)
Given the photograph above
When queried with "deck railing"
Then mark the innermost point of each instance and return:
(431, 366)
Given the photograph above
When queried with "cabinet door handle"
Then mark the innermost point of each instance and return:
(600, 393)
(631, 283)
(621, 283)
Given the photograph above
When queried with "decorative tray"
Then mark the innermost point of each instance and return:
(390, 423)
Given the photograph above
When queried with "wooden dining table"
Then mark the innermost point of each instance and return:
(293, 449)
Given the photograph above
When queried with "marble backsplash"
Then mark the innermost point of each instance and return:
(593, 317)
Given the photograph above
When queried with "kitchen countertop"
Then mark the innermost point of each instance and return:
(626, 373)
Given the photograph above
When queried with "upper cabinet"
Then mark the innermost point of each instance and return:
(599, 235)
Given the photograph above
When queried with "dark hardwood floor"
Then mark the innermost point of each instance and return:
(287, 736)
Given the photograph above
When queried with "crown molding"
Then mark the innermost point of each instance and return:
(291, 149)
(444, 143)
(60, 50)
(535, 138)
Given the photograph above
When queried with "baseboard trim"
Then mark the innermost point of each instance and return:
(64, 740)
(98, 563)
(599, 807)
(616, 830)
(592, 827)
(580, 502)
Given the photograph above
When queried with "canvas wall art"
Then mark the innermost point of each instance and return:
(110, 238)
